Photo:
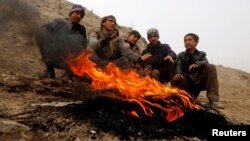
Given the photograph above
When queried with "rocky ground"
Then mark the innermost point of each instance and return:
(45, 109)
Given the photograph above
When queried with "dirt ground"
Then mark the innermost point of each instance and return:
(62, 109)
(69, 110)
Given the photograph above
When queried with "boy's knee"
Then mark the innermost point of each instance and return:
(155, 74)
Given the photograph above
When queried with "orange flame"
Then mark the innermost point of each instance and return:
(171, 101)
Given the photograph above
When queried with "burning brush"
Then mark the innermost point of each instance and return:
(147, 93)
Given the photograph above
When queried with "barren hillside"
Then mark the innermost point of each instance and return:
(19, 26)
(20, 89)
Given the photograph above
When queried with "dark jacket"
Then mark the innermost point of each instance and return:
(185, 59)
(58, 40)
(158, 53)
(63, 27)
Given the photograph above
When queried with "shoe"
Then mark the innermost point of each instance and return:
(217, 105)
(49, 74)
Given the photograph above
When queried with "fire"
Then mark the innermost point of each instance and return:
(148, 93)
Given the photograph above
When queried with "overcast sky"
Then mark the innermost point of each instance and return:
(222, 25)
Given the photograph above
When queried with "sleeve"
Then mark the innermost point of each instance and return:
(164, 51)
(201, 59)
(136, 49)
(93, 43)
(179, 63)
(93, 46)
(170, 51)
(126, 52)
(144, 52)
(54, 25)
(84, 34)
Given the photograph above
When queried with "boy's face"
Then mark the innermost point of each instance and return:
(153, 39)
(109, 24)
(190, 43)
(76, 17)
(132, 39)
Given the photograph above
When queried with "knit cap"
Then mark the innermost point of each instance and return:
(77, 7)
(152, 31)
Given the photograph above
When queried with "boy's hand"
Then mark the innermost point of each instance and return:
(146, 57)
(192, 67)
(147, 70)
(169, 58)
(177, 77)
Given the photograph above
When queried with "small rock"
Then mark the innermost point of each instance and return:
(30, 60)
(7, 125)
(93, 132)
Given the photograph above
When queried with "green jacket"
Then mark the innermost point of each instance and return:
(114, 49)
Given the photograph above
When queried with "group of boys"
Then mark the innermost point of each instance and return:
(189, 70)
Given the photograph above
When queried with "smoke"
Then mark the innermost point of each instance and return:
(23, 19)
(18, 16)
(56, 45)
